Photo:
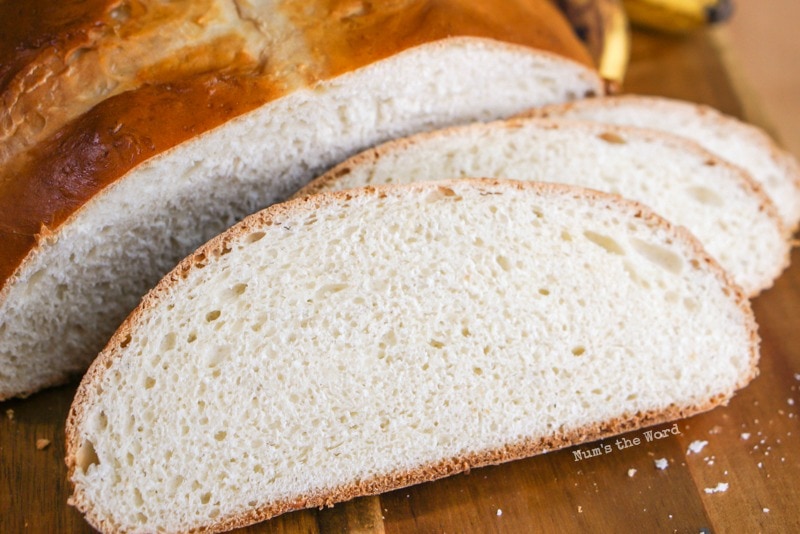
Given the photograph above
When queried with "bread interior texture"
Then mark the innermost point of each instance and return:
(718, 202)
(738, 142)
(72, 292)
(353, 343)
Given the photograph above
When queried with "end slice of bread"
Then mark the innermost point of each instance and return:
(352, 343)
(718, 202)
(72, 290)
(736, 141)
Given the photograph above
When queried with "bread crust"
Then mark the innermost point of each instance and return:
(279, 213)
(58, 60)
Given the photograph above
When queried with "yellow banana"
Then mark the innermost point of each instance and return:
(613, 62)
(677, 16)
(603, 27)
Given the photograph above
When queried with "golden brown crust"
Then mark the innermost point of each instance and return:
(174, 102)
(274, 215)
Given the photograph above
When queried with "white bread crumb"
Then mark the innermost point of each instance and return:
(722, 487)
(696, 446)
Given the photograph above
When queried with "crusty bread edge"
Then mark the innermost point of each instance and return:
(275, 214)
(747, 182)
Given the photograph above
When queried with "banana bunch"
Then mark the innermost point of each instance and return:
(677, 16)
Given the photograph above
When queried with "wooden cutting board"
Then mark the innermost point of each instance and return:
(752, 449)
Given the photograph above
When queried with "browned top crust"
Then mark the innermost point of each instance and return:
(91, 94)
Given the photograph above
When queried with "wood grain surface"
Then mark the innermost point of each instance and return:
(753, 445)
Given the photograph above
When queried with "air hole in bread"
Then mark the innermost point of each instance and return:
(205, 498)
(503, 262)
(613, 138)
(658, 255)
(125, 342)
(137, 497)
(87, 456)
(221, 435)
(149, 382)
(254, 237)
(604, 241)
(578, 350)
(168, 342)
(102, 421)
(329, 289)
(706, 196)
(213, 315)
(176, 482)
(35, 278)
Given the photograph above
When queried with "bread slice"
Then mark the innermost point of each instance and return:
(738, 142)
(100, 212)
(718, 202)
(355, 342)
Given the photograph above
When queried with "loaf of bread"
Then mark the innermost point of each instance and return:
(738, 142)
(718, 202)
(132, 132)
(355, 342)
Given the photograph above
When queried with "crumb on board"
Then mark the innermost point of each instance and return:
(661, 463)
(631, 472)
(580, 509)
(10, 414)
(499, 512)
(745, 435)
(42, 444)
(696, 446)
(766, 510)
(722, 487)
(791, 402)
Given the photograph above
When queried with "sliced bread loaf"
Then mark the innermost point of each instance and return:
(351, 343)
(718, 202)
(158, 151)
(738, 142)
